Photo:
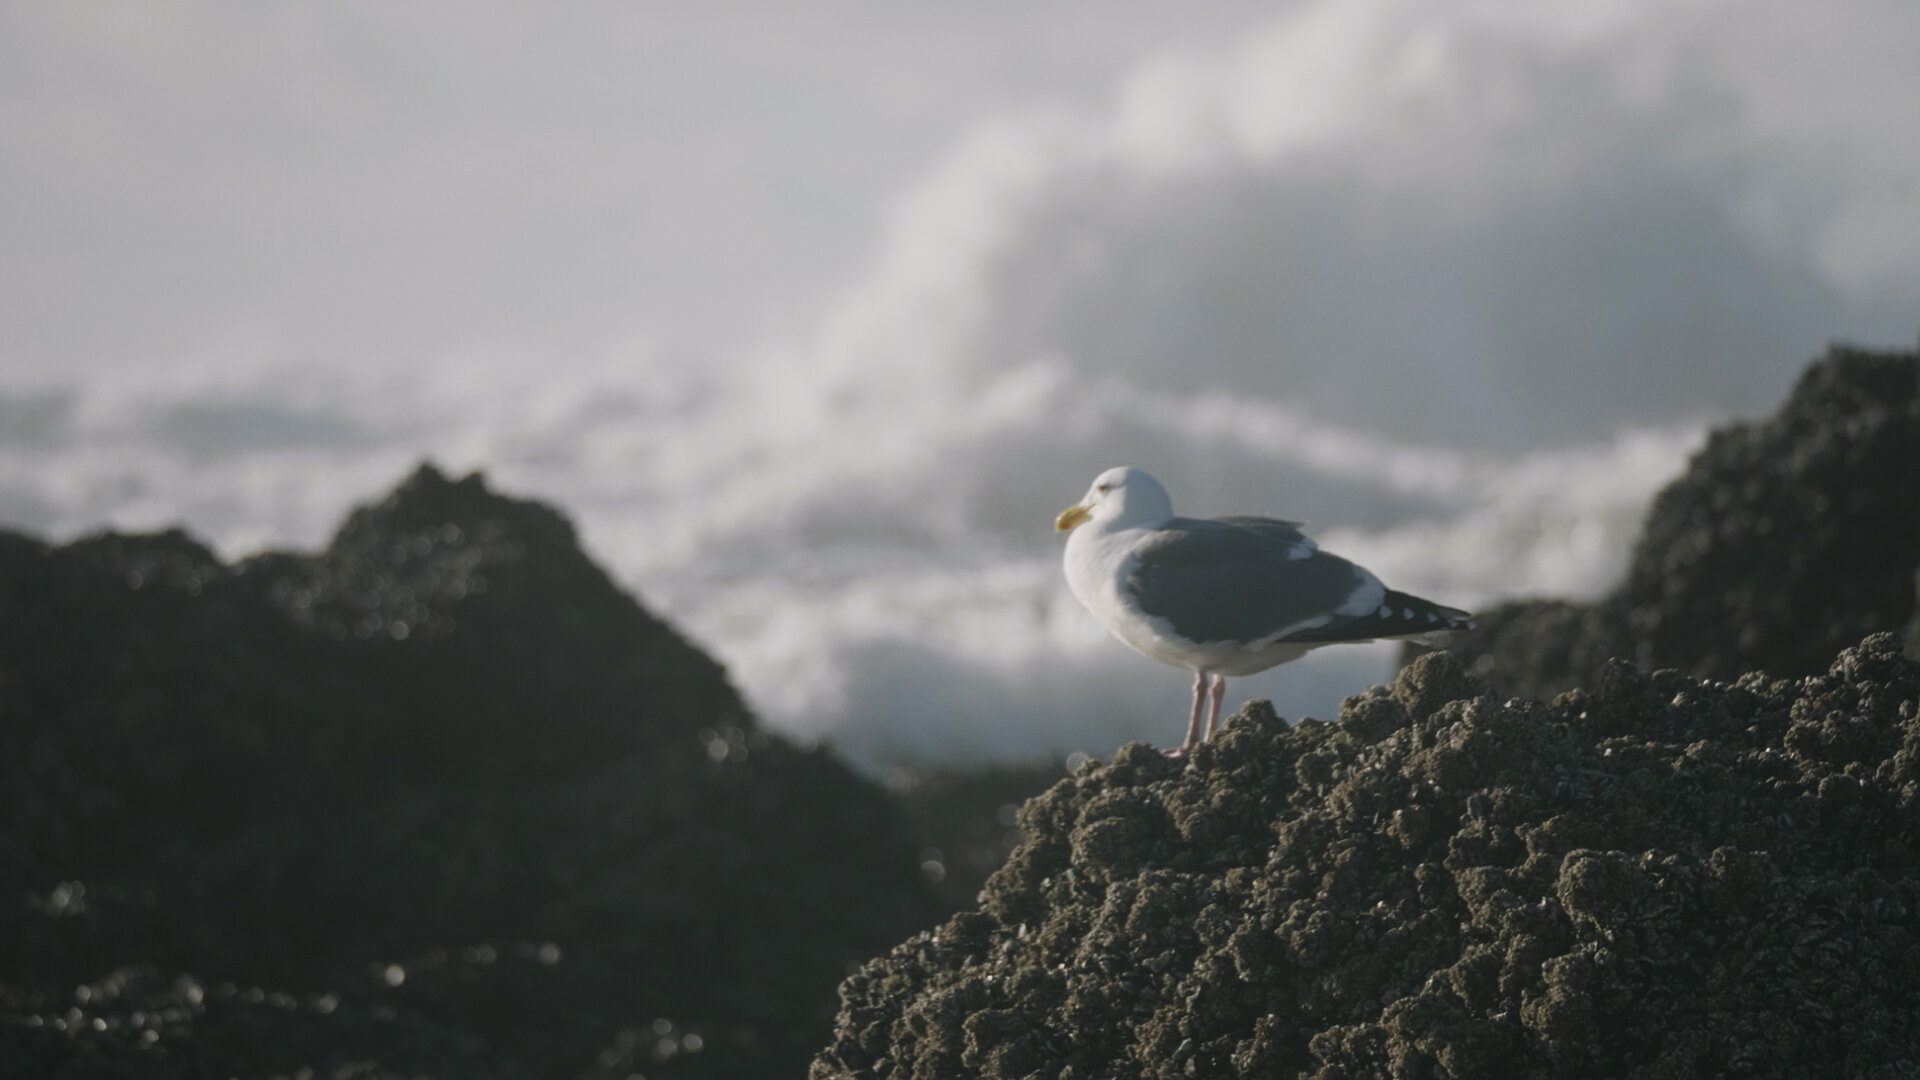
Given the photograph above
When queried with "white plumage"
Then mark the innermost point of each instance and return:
(1222, 596)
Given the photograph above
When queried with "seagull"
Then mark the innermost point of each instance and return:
(1222, 596)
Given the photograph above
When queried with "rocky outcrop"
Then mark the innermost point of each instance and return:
(1785, 541)
(1657, 875)
(1654, 876)
(440, 799)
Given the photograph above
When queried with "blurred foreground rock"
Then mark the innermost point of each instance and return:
(964, 819)
(1786, 540)
(440, 800)
(1655, 876)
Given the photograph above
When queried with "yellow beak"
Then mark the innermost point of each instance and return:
(1071, 516)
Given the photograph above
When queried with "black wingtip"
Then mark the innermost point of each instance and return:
(1400, 616)
(1413, 611)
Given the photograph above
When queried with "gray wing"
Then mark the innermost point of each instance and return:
(1287, 532)
(1245, 580)
(1291, 527)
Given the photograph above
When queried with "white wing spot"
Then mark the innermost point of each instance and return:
(1384, 611)
(1406, 613)
(1431, 617)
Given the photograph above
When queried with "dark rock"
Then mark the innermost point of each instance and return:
(1655, 876)
(1786, 540)
(964, 820)
(440, 799)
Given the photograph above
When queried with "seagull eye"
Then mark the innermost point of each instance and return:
(1103, 488)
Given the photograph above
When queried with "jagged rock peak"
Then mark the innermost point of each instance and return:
(429, 498)
(1785, 540)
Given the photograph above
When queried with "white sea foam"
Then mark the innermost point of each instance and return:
(1461, 285)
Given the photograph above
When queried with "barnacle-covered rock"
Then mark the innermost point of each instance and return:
(1655, 876)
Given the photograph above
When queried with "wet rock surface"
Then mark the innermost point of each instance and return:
(1786, 540)
(440, 800)
(1653, 876)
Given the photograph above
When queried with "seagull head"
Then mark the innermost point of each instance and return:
(1119, 498)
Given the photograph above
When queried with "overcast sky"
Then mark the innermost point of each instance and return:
(390, 179)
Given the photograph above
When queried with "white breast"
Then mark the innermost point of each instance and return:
(1096, 564)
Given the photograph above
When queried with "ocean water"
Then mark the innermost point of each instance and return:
(1460, 285)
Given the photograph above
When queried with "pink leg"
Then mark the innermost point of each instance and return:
(1193, 724)
(1213, 714)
